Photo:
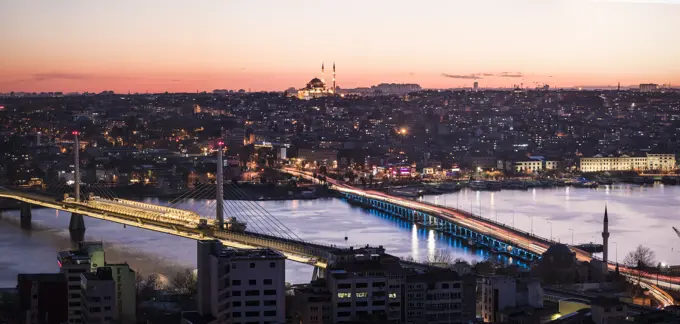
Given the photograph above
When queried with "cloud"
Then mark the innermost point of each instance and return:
(488, 74)
(59, 75)
(459, 76)
(511, 75)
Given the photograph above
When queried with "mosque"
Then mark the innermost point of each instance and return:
(317, 88)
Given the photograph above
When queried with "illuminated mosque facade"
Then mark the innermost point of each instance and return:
(317, 88)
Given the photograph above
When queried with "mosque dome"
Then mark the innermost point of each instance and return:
(316, 83)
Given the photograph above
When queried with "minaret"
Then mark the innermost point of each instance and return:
(333, 78)
(605, 241)
(322, 79)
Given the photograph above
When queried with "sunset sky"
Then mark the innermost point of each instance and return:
(173, 45)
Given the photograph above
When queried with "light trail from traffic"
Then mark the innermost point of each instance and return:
(531, 243)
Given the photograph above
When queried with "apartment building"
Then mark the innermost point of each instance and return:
(238, 285)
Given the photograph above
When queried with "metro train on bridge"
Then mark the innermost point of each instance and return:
(154, 212)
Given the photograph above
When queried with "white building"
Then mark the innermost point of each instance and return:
(239, 285)
(649, 162)
(88, 259)
(126, 292)
(98, 302)
(73, 264)
(535, 164)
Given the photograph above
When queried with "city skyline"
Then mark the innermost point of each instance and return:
(177, 47)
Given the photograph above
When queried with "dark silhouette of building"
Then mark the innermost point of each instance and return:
(37, 301)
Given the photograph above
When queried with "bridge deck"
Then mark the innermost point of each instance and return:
(299, 251)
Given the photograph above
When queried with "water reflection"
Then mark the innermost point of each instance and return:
(636, 215)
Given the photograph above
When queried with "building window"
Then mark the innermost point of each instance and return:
(267, 281)
(445, 286)
(378, 303)
(252, 314)
(236, 304)
(236, 282)
(393, 295)
(344, 314)
(362, 303)
(253, 303)
(344, 295)
(252, 292)
(344, 304)
(344, 286)
(236, 293)
(236, 314)
(252, 265)
(360, 285)
(270, 313)
(252, 282)
(362, 294)
(272, 264)
(269, 292)
(270, 303)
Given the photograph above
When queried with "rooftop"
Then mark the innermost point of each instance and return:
(41, 277)
(250, 254)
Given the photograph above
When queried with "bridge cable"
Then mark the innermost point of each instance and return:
(282, 226)
(186, 195)
(263, 213)
(247, 211)
(239, 215)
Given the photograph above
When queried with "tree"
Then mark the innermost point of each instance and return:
(184, 283)
(440, 257)
(148, 287)
(641, 257)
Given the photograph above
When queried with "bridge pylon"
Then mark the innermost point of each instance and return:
(76, 157)
(76, 227)
(26, 215)
(219, 202)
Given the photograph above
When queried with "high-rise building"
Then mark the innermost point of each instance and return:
(88, 259)
(72, 264)
(98, 296)
(475, 86)
(238, 285)
(126, 293)
(37, 300)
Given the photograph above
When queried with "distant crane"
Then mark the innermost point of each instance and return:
(676, 231)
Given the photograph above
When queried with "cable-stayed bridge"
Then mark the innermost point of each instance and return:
(225, 213)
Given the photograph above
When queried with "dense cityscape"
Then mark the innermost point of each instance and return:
(401, 140)
(355, 162)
